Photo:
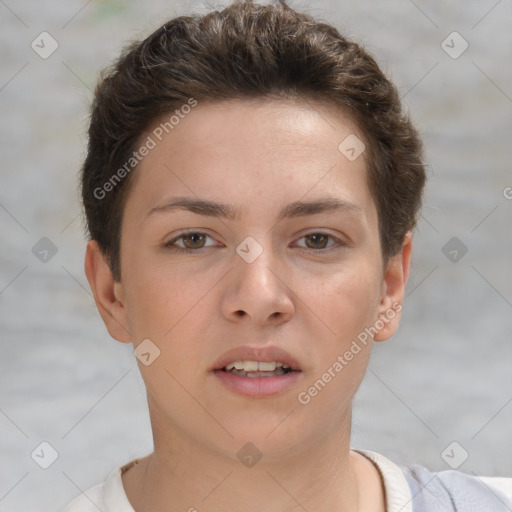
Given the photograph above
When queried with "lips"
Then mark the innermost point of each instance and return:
(259, 354)
(263, 382)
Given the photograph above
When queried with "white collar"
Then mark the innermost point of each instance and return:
(114, 493)
(398, 492)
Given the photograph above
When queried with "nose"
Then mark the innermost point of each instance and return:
(257, 291)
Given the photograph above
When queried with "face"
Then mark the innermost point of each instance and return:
(249, 236)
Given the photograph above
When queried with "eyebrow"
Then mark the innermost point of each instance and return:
(227, 211)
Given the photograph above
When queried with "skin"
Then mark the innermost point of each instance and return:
(257, 156)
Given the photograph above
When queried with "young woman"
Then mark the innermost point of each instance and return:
(251, 187)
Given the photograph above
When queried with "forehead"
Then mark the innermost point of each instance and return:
(248, 150)
(293, 124)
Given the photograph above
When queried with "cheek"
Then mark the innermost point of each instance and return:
(347, 303)
(156, 299)
(169, 305)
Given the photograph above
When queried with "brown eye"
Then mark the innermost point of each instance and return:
(196, 240)
(318, 240)
(192, 241)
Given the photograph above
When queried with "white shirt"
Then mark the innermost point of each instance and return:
(110, 496)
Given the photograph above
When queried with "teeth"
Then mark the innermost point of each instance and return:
(254, 366)
(250, 366)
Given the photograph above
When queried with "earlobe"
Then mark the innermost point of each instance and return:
(108, 294)
(395, 280)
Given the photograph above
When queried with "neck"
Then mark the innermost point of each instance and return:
(184, 475)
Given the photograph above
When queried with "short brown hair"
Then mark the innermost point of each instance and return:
(248, 51)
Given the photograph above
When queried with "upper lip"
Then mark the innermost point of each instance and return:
(264, 354)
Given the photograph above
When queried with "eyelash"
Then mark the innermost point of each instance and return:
(169, 244)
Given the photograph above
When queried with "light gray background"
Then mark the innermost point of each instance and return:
(446, 376)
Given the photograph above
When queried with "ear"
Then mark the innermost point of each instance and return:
(108, 294)
(395, 280)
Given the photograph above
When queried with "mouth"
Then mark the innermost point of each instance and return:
(258, 372)
(254, 369)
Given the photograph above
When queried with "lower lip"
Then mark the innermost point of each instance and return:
(258, 386)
